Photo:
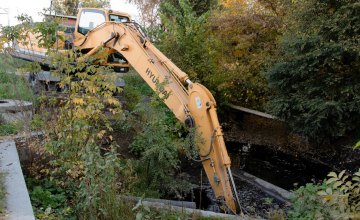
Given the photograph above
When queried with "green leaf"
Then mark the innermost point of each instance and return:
(341, 174)
(356, 179)
(357, 145)
(337, 184)
(333, 174)
(322, 193)
(329, 191)
(139, 216)
(348, 183)
(343, 188)
(333, 179)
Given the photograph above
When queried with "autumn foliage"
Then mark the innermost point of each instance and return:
(298, 60)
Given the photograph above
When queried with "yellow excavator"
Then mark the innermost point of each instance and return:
(125, 44)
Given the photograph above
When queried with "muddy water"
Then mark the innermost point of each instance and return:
(277, 168)
(254, 202)
(283, 170)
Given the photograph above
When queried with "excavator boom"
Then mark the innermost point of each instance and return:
(100, 32)
(191, 103)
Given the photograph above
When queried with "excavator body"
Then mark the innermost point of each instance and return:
(100, 32)
(30, 50)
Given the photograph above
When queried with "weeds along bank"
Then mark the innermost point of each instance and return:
(77, 171)
(80, 173)
(16, 87)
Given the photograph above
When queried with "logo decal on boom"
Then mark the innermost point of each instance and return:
(157, 83)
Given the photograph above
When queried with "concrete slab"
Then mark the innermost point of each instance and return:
(18, 203)
(269, 188)
(11, 105)
(14, 110)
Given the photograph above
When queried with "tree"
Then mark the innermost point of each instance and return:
(244, 38)
(184, 39)
(226, 46)
(149, 11)
(316, 79)
(70, 7)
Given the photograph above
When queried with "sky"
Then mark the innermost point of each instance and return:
(34, 7)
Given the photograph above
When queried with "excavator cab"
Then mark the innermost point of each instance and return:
(92, 18)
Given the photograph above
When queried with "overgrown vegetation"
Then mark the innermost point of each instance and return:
(316, 78)
(297, 60)
(9, 128)
(224, 45)
(158, 140)
(75, 140)
(336, 198)
(13, 86)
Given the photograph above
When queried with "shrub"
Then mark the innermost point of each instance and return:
(157, 145)
(307, 204)
(337, 198)
(316, 78)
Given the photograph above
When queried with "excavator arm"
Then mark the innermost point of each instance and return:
(191, 103)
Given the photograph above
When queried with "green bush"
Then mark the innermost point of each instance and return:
(157, 146)
(316, 79)
(307, 204)
(337, 198)
(135, 90)
(49, 200)
(37, 122)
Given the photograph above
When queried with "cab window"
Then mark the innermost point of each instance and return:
(118, 18)
(90, 19)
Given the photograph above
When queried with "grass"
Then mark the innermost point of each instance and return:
(14, 87)
(2, 194)
(11, 85)
(10, 64)
(9, 128)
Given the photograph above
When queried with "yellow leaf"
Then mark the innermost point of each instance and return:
(78, 101)
(328, 198)
(101, 133)
(113, 101)
(80, 113)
